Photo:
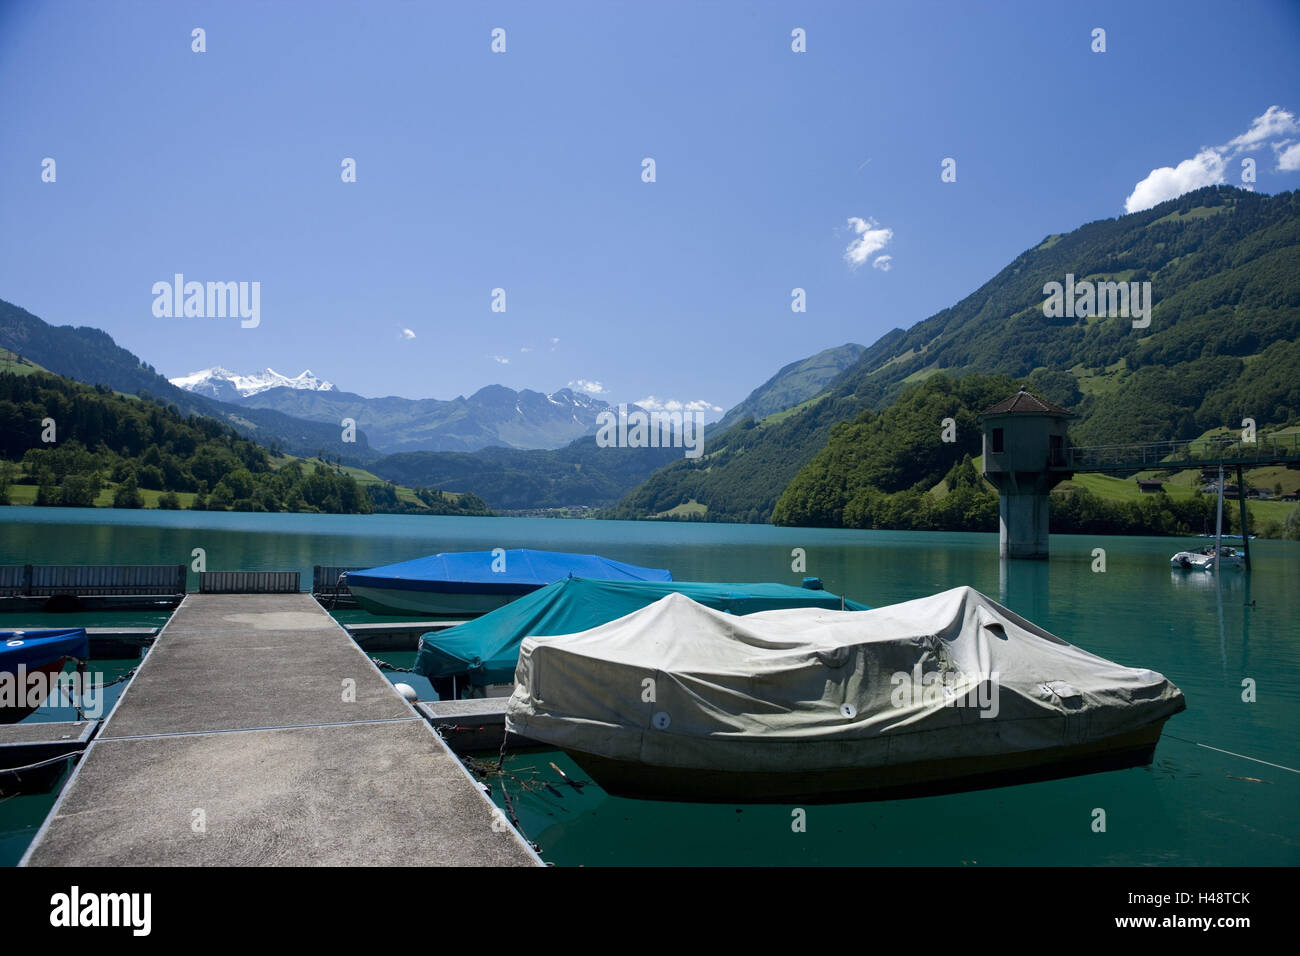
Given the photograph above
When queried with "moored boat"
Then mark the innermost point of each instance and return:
(475, 582)
(1192, 560)
(30, 661)
(485, 651)
(1204, 559)
(947, 693)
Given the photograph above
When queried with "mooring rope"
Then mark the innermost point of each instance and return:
(385, 666)
(36, 766)
(1231, 753)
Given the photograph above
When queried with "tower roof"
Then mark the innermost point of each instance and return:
(1025, 402)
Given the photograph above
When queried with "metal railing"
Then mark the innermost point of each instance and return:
(1181, 454)
(113, 580)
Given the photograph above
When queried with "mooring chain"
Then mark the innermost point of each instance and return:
(385, 666)
(124, 677)
(81, 715)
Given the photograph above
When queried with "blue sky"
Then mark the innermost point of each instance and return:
(522, 170)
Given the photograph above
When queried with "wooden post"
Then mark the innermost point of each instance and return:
(1241, 499)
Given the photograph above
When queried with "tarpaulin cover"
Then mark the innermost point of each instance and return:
(812, 689)
(489, 647)
(37, 648)
(518, 567)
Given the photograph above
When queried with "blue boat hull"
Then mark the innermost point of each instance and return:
(34, 658)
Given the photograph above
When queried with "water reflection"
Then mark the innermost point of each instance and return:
(1023, 587)
(1229, 582)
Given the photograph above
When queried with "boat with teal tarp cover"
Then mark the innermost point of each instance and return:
(475, 582)
(487, 649)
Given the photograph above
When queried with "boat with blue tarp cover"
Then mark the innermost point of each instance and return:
(24, 654)
(485, 651)
(475, 582)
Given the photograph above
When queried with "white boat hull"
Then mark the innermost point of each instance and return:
(1198, 561)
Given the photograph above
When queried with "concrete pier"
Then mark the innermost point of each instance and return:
(257, 733)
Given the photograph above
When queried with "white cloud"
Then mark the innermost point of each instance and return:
(525, 348)
(585, 385)
(1207, 167)
(871, 238)
(1274, 122)
(500, 358)
(1288, 157)
(407, 334)
(1168, 182)
(883, 263)
(652, 404)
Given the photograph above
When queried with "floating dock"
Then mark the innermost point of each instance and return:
(33, 755)
(472, 725)
(257, 733)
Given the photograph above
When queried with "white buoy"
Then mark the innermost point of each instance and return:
(407, 691)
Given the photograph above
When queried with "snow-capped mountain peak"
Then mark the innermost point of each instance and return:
(218, 382)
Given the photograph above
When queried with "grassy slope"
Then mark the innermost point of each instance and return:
(11, 364)
(1183, 485)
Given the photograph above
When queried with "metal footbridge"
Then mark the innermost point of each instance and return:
(1161, 455)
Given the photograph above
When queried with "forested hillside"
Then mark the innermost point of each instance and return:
(742, 470)
(580, 474)
(893, 469)
(71, 443)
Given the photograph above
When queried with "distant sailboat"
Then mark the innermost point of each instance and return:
(1211, 559)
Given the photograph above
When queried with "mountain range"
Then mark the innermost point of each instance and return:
(494, 415)
(518, 449)
(1223, 344)
(228, 386)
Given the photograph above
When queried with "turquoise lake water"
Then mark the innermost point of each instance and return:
(1194, 805)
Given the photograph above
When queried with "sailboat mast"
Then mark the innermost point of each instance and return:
(1218, 523)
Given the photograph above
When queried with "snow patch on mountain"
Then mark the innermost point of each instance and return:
(218, 382)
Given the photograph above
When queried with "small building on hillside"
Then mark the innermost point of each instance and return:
(1149, 486)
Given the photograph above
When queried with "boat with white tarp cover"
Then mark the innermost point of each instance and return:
(945, 693)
